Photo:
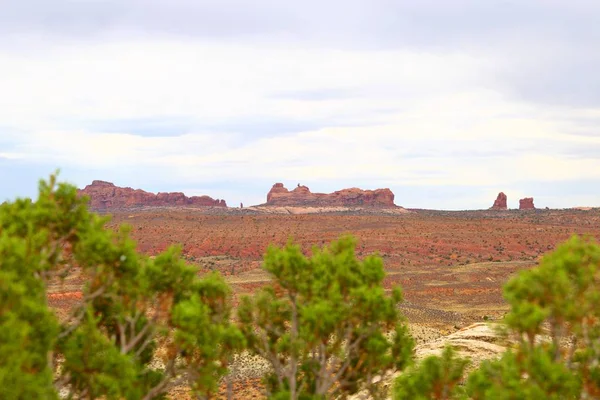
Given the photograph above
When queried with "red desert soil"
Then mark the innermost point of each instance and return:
(451, 265)
(452, 262)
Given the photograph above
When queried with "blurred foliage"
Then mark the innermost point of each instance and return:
(142, 323)
(322, 323)
(436, 377)
(554, 321)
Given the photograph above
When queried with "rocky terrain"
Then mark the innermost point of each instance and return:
(301, 196)
(105, 195)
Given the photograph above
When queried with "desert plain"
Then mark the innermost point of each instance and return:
(451, 265)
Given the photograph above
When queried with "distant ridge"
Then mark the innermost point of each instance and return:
(105, 195)
(301, 196)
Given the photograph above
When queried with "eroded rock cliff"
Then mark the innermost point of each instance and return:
(301, 196)
(105, 195)
(500, 203)
(526, 204)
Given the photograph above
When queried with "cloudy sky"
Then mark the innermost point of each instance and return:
(446, 102)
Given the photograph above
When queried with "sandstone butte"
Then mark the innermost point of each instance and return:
(500, 203)
(105, 195)
(526, 204)
(302, 196)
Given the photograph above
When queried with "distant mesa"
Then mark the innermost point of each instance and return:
(500, 203)
(301, 196)
(105, 195)
(526, 204)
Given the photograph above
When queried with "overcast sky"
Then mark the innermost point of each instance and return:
(445, 102)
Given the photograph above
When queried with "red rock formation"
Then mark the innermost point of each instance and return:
(526, 204)
(353, 197)
(500, 203)
(105, 195)
(277, 188)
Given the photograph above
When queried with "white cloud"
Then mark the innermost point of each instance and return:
(12, 156)
(209, 81)
(408, 118)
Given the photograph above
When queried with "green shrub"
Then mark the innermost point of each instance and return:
(135, 311)
(436, 377)
(555, 322)
(322, 323)
(560, 300)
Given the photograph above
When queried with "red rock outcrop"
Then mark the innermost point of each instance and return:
(500, 203)
(526, 204)
(105, 195)
(302, 196)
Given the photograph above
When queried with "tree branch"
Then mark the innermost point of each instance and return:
(80, 312)
(160, 387)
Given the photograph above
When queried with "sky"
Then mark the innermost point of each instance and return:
(445, 102)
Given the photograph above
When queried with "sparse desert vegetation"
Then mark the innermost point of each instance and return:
(451, 264)
(86, 314)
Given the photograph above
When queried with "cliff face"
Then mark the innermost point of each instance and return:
(526, 204)
(500, 203)
(105, 195)
(302, 196)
